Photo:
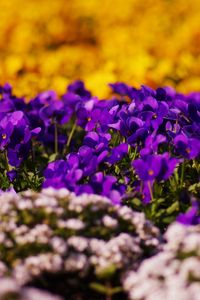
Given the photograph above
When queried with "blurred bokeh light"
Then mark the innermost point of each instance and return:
(45, 44)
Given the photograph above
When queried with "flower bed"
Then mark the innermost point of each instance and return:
(89, 188)
(140, 147)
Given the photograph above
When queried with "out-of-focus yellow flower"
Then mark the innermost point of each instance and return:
(45, 44)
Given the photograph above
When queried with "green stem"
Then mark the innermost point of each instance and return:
(33, 158)
(71, 135)
(182, 174)
(109, 291)
(8, 168)
(135, 153)
(56, 137)
(150, 190)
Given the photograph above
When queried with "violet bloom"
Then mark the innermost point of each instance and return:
(153, 112)
(153, 167)
(6, 131)
(99, 141)
(148, 167)
(55, 111)
(172, 128)
(105, 185)
(6, 106)
(191, 217)
(78, 88)
(60, 174)
(99, 117)
(88, 160)
(55, 168)
(15, 136)
(123, 89)
(194, 111)
(11, 175)
(131, 127)
(168, 164)
(6, 90)
(12, 129)
(117, 153)
(187, 147)
(87, 114)
(152, 143)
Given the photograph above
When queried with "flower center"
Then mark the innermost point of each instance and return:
(188, 150)
(4, 136)
(155, 116)
(150, 172)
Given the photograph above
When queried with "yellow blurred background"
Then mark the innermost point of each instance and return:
(45, 44)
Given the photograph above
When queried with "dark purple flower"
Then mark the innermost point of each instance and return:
(188, 147)
(98, 142)
(168, 164)
(78, 88)
(191, 217)
(152, 143)
(148, 167)
(152, 167)
(107, 186)
(5, 134)
(123, 89)
(117, 153)
(13, 158)
(153, 112)
(11, 175)
(6, 90)
(194, 112)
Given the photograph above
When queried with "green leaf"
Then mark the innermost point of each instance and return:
(100, 288)
(117, 170)
(136, 202)
(194, 187)
(174, 207)
(52, 157)
(107, 272)
(116, 290)
(160, 200)
(168, 220)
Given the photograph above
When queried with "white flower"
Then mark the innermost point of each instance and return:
(109, 222)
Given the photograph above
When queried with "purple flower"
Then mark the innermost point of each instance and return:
(152, 143)
(11, 175)
(187, 147)
(96, 145)
(148, 168)
(78, 88)
(5, 134)
(191, 217)
(153, 112)
(153, 167)
(60, 173)
(123, 89)
(118, 153)
(103, 185)
(167, 166)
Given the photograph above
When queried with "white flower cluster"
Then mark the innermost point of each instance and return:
(118, 252)
(56, 232)
(10, 289)
(174, 273)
